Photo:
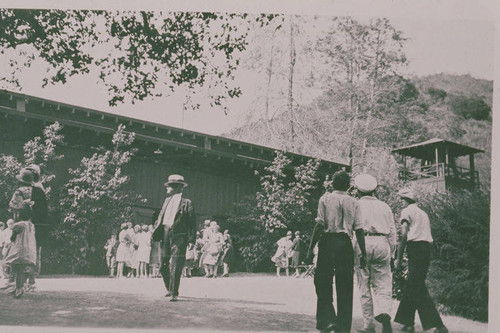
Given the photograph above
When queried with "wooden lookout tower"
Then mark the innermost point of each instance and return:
(434, 162)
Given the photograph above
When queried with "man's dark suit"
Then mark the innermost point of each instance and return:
(174, 241)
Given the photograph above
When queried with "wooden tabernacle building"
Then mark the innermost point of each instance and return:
(434, 162)
(219, 171)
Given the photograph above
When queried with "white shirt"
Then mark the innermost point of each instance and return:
(376, 217)
(419, 225)
(171, 210)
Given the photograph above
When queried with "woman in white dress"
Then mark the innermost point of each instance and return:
(123, 252)
(214, 247)
(144, 251)
(282, 255)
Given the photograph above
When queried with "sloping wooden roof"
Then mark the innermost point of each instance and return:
(154, 134)
(427, 149)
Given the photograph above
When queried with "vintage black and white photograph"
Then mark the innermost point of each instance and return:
(193, 170)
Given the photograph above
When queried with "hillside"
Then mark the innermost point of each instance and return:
(451, 107)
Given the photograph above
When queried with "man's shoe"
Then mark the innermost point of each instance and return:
(408, 329)
(18, 293)
(385, 320)
(441, 329)
(168, 294)
(173, 298)
(329, 328)
(30, 287)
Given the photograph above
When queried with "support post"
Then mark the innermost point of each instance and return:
(472, 168)
(437, 161)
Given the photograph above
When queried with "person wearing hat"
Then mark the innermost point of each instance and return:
(227, 253)
(282, 255)
(295, 253)
(338, 215)
(123, 252)
(416, 238)
(29, 178)
(176, 229)
(206, 233)
(375, 279)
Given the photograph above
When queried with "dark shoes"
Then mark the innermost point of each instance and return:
(329, 328)
(18, 293)
(441, 329)
(385, 320)
(408, 329)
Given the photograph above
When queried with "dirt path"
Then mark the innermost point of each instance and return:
(238, 303)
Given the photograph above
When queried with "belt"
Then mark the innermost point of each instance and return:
(374, 234)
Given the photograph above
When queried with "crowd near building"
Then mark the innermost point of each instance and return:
(132, 253)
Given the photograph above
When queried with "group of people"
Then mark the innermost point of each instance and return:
(212, 250)
(370, 223)
(27, 229)
(134, 251)
(289, 250)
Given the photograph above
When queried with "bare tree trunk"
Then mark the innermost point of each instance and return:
(290, 83)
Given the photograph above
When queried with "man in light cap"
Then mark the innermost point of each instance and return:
(176, 229)
(375, 279)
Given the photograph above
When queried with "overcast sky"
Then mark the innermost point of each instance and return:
(434, 46)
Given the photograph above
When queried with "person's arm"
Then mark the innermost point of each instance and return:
(360, 236)
(402, 244)
(392, 234)
(191, 225)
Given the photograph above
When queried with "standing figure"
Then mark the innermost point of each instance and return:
(338, 215)
(296, 252)
(123, 252)
(227, 253)
(134, 251)
(111, 247)
(214, 248)
(416, 237)
(204, 236)
(32, 189)
(176, 228)
(155, 256)
(144, 251)
(282, 255)
(375, 279)
(22, 250)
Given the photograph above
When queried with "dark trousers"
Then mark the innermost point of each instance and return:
(335, 258)
(173, 255)
(415, 295)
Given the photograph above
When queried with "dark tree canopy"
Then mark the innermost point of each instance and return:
(137, 54)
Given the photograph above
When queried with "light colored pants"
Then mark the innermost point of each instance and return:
(375, 280)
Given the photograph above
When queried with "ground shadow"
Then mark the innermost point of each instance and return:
(107, 309)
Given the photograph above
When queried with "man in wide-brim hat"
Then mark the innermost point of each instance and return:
(380, 242)
(176, 229)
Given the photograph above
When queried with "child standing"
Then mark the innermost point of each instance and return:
(111, 247)
(22, 250)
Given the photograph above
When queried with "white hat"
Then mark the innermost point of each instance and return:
(25, 176)
(407, 193)
(36, 171)
(176, 179)
(365, 182)
(213, 223)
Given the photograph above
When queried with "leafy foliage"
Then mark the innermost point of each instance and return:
(94, 202)
(39, 150)
(459, 272)
(471, 107)
(137, 54)
(286, 201)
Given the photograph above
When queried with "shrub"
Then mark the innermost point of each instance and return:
(471, 107)
(459, 270)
